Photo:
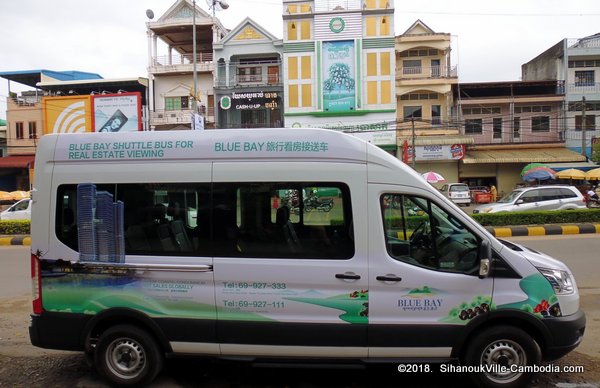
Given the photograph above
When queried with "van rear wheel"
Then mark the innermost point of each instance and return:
(128, 355)
(501, 351)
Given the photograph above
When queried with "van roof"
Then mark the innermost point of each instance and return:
(267, 143)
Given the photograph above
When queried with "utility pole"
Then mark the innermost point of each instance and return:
(583, 128)
(414, 151)
(195, 92)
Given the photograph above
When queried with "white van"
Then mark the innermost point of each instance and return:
(156, 244)
(458, 193)
(20, 210)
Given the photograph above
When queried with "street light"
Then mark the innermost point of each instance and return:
(212, 4)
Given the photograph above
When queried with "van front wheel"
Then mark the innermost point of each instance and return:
(128, 355)
(502, 352)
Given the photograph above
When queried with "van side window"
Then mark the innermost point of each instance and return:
(280, 220)
(272, 220)
(419, 232)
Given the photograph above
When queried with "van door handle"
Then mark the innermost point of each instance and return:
(389, 278)
(347, 276)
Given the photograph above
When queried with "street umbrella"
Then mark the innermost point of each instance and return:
(571, 173)
(532, 165)
(538, 174)
(593, 175)
(433, 177)
(5, 196)
(19, 195)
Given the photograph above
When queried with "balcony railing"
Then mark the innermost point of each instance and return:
(583, 87)
(182, 59)
(337, 5)
(165, 117)
(416, 72)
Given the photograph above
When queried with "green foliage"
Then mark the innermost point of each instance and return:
(15, 226)
(539, 217)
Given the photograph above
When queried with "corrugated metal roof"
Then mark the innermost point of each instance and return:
(541, 155)
(436, 140)
(17, 161)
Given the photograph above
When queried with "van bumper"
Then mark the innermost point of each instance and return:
(566, 334)
(61, 331)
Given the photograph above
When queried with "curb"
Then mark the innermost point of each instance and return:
(15, 240)
(548, 230)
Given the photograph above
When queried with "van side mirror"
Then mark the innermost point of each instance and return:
(485, 259)
(519, 201)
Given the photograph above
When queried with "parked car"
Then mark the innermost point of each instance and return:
(19, 211)
(536, 198)
(458, 193)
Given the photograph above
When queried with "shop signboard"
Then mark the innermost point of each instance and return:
(339, 76)
(117, 112)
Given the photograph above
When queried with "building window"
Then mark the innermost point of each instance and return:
(420, 96)
(590, 123)
(413, 112)
(586, 63)
(497, 127)
(300, 82)
(474, 126)
(436, 114)
(411, 66)
(540, 124)
(177, 103)
(517, 128)
(249, 74)
(482, 111)
(32, 130)
(299, 30)
(378, 80)
(589, 106)
(19, 130)
(533, 109)
(419, 53)
(584, 78)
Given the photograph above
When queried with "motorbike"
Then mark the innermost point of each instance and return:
(593, 202)
(319, 204)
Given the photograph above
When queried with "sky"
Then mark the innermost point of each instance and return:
(491, 39)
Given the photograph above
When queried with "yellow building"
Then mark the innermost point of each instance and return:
(338, 60)
(424, 78)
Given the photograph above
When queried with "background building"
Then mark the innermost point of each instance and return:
(171, 74)
(339, 64)
(249, 78)
(577, 63)
(513, 124)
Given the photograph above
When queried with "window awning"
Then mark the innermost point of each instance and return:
(436, 140)
(17, 161)
(583, 166)
(539, 155)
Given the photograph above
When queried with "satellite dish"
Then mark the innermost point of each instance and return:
(217, 5)
(150, 14)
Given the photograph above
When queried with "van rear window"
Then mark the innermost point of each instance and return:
(272, 220)
(459, 188)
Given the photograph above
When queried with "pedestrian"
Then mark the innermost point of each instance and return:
(493, 193)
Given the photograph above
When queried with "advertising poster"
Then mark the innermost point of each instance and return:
(339, 76)
(117, 112)
(67, 114)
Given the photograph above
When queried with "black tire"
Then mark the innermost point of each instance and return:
(128, 355)
(502, 346)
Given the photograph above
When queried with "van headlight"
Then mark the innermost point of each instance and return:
(559, 280)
